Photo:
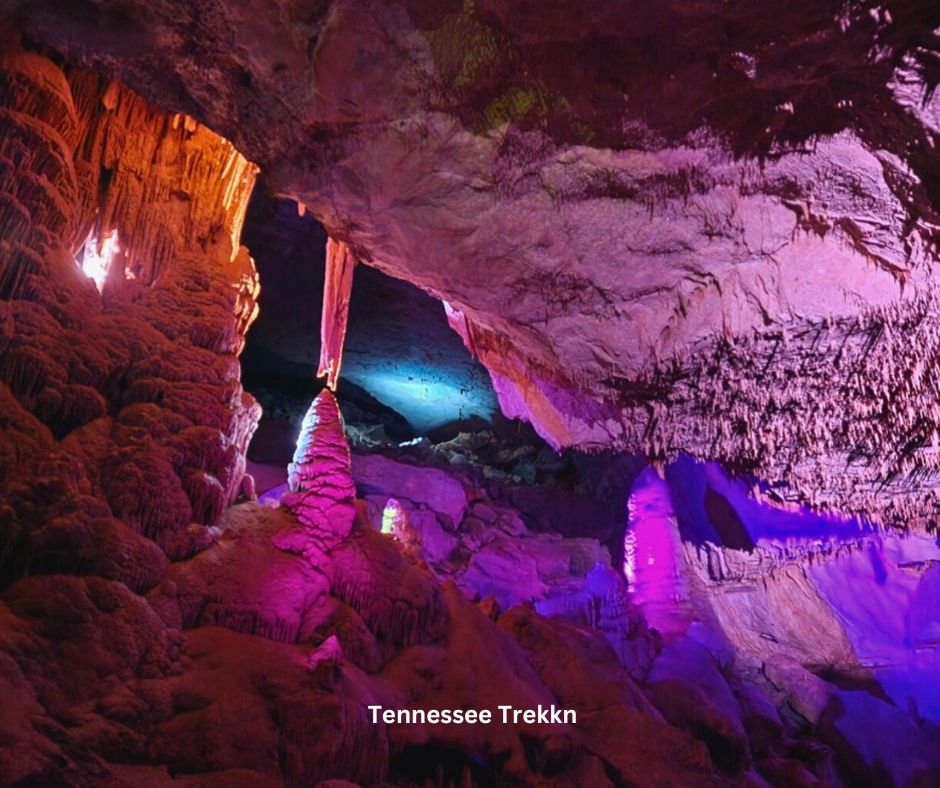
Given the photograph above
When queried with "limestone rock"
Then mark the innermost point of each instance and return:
(433, 488)
(336, 294)
(687, 687)
(319, 477)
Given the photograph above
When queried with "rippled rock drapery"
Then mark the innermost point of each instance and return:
(337, 289)
(622, 205)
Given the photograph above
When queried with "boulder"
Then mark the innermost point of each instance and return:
(435, 489)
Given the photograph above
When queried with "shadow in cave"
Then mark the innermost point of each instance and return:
(727, 522)
(434, 764)
(855, 679)
(713, 506)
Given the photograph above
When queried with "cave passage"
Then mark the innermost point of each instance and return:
(405, 373)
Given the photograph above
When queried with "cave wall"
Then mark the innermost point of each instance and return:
(833, 619)
(124, 432)
(124, 417)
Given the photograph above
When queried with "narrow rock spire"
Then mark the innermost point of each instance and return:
(337, 288)
(322, 492)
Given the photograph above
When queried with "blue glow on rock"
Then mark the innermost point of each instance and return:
(427, 397)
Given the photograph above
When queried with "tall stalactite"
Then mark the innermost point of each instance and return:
(337, 290)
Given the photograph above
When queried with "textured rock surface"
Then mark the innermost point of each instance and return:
(320, 477)
(826, 618)
(710, 196)
(125, 419)
(621, 204)
(438, 491)
(337, 289)
(124, 425)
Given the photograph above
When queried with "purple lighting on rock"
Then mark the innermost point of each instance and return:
(653, 555)
(843, 616)
(322, 492)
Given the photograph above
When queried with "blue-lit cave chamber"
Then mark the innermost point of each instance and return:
(406, 376)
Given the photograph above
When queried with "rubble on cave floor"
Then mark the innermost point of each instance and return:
(745, 647)
(724, 606)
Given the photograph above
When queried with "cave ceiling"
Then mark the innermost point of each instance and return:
(669, 227)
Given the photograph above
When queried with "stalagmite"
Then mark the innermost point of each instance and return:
(336, 292)
(319, 478)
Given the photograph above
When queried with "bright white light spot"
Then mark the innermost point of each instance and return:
(392, 517)
(97, 256)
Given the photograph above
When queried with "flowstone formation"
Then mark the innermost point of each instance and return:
(126, 409)
(124, 422)
(672, 229)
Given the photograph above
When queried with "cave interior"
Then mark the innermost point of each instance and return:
(469, 355)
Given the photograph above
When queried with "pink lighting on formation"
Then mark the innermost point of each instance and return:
(337, 289)
(652, 561)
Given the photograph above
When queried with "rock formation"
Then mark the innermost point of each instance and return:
(336, 292)
(136, 390)
(696, 240)
(320, 478)
(685, 208)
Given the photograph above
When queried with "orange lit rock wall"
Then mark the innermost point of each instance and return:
(124, 408)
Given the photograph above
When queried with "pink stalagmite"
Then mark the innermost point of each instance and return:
(336, 292)
(319, 477)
